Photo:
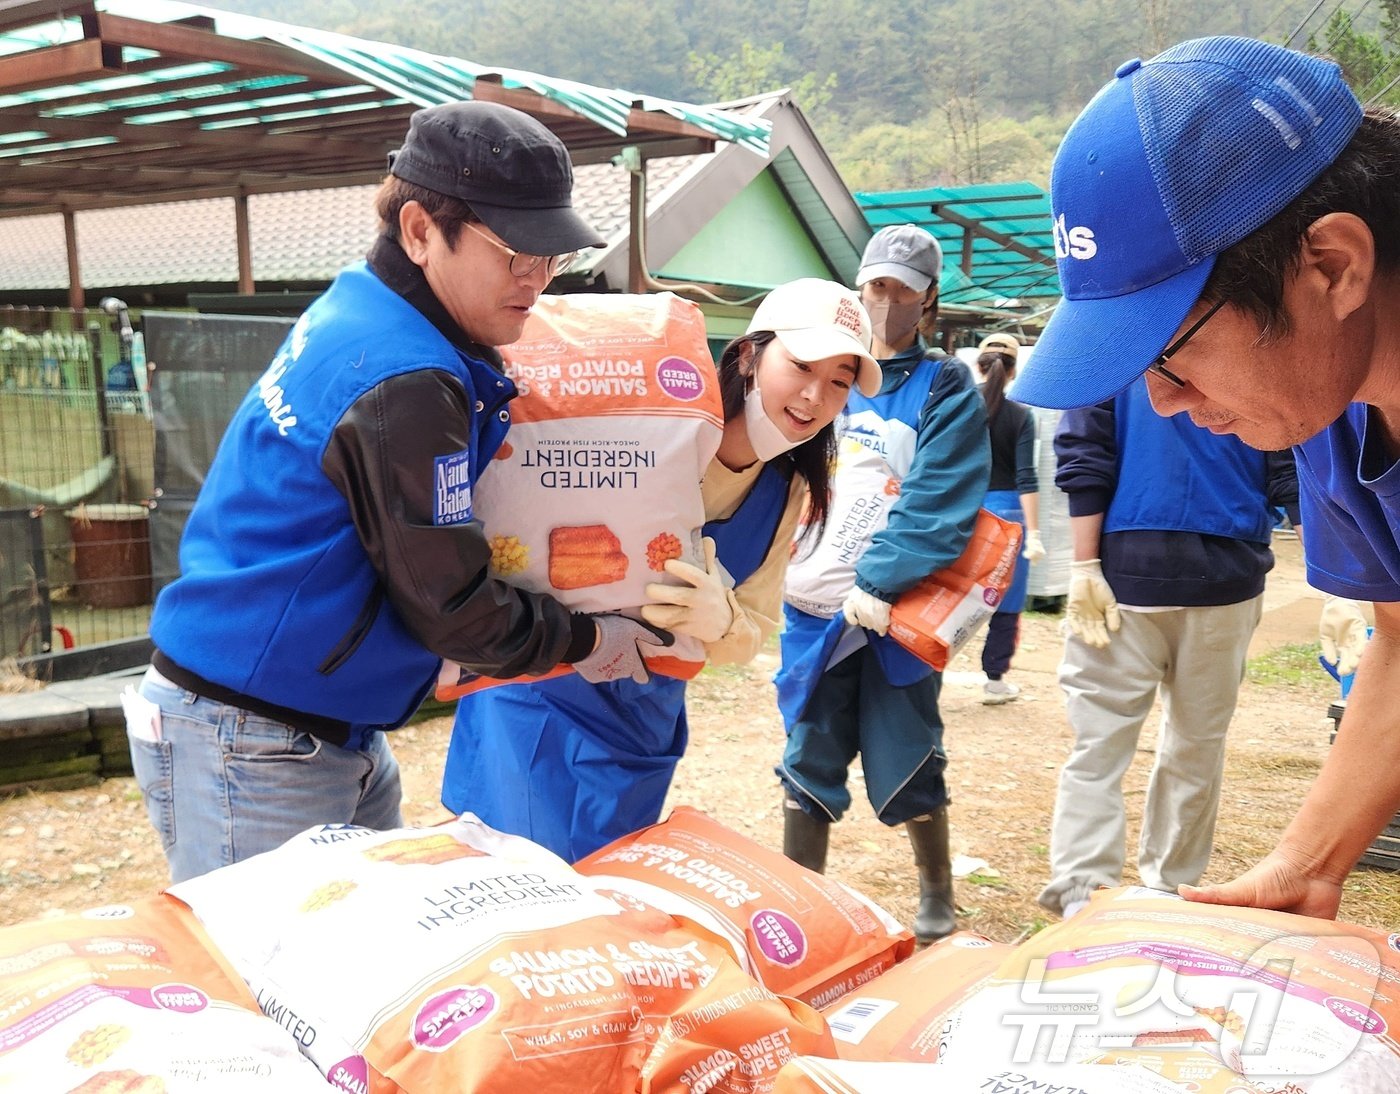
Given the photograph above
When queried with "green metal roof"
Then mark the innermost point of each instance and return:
(109, 102)
(996, 238)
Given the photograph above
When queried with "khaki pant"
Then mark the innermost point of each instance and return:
(1196, 656)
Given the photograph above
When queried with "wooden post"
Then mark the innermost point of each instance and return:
(636, 236)
(245, 244)
(75, 277)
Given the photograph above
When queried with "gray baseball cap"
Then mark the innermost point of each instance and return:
(904, 252)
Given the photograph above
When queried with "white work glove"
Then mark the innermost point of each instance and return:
(619, 649)
(1342, 631)
(699, 608)
(864, 610)
(1092, 612)
(1035, 550)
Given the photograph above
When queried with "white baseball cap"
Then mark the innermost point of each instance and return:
(815, 319)
(1000, 343)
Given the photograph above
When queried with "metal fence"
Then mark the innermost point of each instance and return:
(106, 432)
(77, 444)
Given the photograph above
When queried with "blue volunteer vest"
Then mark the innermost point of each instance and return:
(1204, 491)
(277, 599)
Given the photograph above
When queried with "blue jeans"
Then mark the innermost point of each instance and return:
(223, 784)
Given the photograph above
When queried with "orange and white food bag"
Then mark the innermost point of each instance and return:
(458, 958)
(1275, 1001)
(938, 616)
(135, 999)
(801, 934)
(598, 482)
(901, 1014)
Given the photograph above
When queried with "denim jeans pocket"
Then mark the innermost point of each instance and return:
(253, 738)
(151, 764)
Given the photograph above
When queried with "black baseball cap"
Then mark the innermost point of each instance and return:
(512, 171)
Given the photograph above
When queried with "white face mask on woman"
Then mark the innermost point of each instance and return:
(768, 441)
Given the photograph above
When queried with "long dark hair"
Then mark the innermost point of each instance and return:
(812, 459)
(997, 368)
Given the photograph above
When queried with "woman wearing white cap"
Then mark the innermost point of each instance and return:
(910, 477)
(599, 757)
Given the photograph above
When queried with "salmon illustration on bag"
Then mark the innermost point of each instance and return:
(617, 418)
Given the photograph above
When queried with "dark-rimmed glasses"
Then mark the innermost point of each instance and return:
(523, 265)
(1159, 366)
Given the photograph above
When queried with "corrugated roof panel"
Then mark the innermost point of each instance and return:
(170, 80)
(1011, 247)
(427, 78)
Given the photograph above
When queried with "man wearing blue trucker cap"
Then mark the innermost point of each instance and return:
(1227, 220)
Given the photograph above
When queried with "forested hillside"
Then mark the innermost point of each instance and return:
(902, 93)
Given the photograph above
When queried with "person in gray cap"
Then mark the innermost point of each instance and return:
(912, 469)
(1227, 221)
(332, 560)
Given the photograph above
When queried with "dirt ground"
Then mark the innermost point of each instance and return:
(64, 851)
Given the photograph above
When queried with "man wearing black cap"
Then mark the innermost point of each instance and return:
(332, 558)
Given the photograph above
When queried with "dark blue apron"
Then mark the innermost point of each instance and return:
(573, 765)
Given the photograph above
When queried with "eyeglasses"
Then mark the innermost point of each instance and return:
(1159, 366)
(523, 265)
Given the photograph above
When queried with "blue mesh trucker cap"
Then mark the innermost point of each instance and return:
(1173, 161)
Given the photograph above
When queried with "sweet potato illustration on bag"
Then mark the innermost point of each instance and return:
(663, 547)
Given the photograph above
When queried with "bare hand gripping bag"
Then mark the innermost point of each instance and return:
(598, 484)
(135, 999)
(460, 959)
(801, 934)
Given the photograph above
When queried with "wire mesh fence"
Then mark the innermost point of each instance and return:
(77, 445)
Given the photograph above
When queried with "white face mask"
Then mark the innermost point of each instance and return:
(769, 442)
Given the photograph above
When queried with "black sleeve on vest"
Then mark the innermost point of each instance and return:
(436, 577)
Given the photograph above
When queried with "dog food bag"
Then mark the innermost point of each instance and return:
(598, 483)
(800, 933)
(457, 959)
(902, 1014)
(939, 615)
(135, 999)
(814, 1075)
(1282, 1002)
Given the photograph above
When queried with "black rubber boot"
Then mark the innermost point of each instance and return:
(805, 837)
(937, 917)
